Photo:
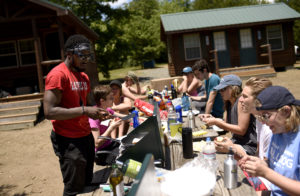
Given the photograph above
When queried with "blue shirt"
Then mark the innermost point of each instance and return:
(210, 83)
(284, 157)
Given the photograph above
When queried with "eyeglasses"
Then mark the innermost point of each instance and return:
(83, 56)
(264, 117)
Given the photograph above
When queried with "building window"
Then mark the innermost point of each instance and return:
(274, 36)
(8, 54)
(192, 46)
(26, 52)
(17, 53)
(219, 40)
(246, 38)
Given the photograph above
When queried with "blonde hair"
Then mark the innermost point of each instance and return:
(293, 121)
(235, 93)
(257, 84)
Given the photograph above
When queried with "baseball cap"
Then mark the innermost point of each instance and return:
(229, 80)
(187, 70)
(115, 82)
(275, 97)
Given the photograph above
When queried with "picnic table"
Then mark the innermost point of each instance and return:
(177, 160)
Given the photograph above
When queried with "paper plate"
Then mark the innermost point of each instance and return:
(216, 128)
(195, 112)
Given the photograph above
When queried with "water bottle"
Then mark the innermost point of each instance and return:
(135, 119)
(185, 102)
(179, 113)
(173, 92)
(187, 143)
(230, 171)
(172, 116)
(209, 150)
(191, 119)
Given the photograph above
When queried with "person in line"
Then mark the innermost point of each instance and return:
(130, 80)
(121, 104)
(279, 109)
(104, 99)
(214, 102)
(239, 123)
(253, 87)
(65, 104)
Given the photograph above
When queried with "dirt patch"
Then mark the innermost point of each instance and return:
(28, 165)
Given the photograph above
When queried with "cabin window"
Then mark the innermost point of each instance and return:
(8, 54)
(17, 53)
(246, 38)
(192, 46)
(219, 40)
(274, 36)
(26, 52)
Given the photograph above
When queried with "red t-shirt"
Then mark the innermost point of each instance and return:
(73, 86)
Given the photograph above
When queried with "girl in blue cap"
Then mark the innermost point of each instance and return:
(281, 112)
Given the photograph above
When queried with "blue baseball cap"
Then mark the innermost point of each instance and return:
(275, 97)
(187, 70)
(229, 80)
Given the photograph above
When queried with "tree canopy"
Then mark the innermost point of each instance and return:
(130, 35)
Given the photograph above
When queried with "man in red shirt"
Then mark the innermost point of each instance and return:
(65, 104)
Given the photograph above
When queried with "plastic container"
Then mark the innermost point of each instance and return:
(130, 167)
(178, 111)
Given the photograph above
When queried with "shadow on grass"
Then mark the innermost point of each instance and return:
(6, 188)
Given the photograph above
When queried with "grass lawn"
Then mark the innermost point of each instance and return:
(121, 73)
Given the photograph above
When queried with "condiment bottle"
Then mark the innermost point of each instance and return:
(116, 181)
(130, 167)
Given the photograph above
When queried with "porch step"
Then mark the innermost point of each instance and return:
(18, 117)
(19, 110)
(16, 113)
(246, 72)
(25, 103)
(16, 125)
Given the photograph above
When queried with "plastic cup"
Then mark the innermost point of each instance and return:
(175, 128)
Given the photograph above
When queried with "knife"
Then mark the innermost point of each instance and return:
(125, 117)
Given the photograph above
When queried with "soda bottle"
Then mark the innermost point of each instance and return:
(116, 181)
(209, 151)
(173, 92)
(130, 167)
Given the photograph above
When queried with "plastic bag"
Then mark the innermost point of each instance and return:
(197, 177)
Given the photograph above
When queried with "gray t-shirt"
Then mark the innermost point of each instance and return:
(249, 140)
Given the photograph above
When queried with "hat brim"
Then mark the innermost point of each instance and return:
(220, 87)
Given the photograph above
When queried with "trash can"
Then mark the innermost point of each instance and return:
(149, 64)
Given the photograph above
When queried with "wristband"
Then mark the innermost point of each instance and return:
(110, 111)
(83, 112)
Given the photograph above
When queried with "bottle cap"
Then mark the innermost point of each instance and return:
(230, 151)
(208, 139)
(172, 86)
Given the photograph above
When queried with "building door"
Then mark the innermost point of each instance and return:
(220, 44)
(247, 48)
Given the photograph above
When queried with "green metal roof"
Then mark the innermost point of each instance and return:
(204, 19)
